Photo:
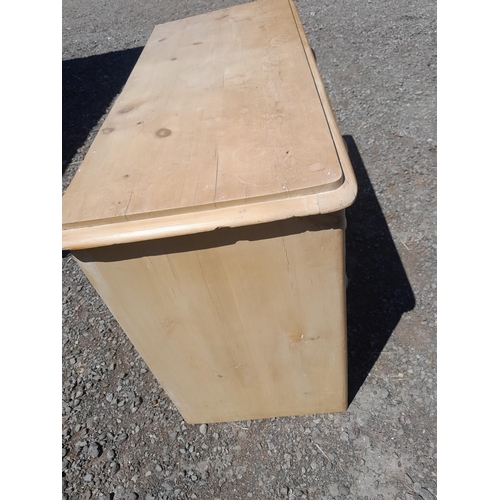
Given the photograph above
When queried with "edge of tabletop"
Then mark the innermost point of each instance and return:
(259, 212)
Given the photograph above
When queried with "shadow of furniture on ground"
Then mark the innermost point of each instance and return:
(89, 85)
(378, 292)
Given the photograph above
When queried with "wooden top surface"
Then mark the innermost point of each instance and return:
(222, 111)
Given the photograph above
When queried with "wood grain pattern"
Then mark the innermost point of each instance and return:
(223, 122)
(236, 324)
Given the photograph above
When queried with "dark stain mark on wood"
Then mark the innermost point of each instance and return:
(163, 132)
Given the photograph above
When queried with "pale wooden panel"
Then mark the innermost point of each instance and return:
(220, 109)
(239, 323)
(181, 224)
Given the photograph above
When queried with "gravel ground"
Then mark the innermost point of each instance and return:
(122, 438)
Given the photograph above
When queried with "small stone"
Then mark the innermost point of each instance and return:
(64, 452)
(344, 489)
(158, 468)
(149, 497)
(148, 473)
(114, 467)
(132, 496)
(408, 479)
(417, 487)
(333, 489)
(203, 429)
(122, 438)
(110, 454)
(202, 466)
(168, 487)
(426, 494)
(362, 442)
(95, 450)
(88, 477)
(344, 437)
(111, 366)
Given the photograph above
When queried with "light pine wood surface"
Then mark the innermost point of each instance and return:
(236, 324)
(224, 122)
